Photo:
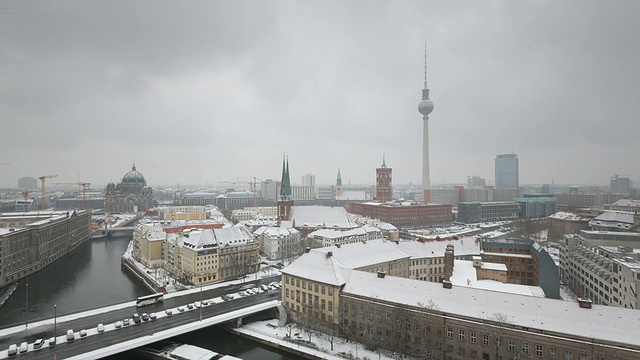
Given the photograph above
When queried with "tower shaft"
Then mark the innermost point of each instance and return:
(426, 176)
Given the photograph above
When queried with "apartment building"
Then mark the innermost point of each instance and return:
(607, 275)
(279, 243)
(329, 237)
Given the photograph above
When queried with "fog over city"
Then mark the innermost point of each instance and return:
(201, 92)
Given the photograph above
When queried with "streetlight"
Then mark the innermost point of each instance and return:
(55, 319)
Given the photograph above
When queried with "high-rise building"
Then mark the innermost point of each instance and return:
(620, 184)
(383, 183)
(425, 107)
(476, 181)
(308, 180)
(28, 183)
(507, 171)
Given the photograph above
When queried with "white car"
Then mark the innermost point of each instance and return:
(118, 324)
(38, 344)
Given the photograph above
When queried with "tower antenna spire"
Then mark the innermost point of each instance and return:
(425, 63)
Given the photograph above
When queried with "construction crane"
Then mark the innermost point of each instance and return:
(252, 185)
(84, 191)
(26, 198)
(42, 179)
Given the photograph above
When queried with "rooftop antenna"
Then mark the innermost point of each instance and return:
(425, 62)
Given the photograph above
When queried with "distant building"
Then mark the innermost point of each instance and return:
(183, 213)
(308, 180)
(329, 237)
(507, 171)
(131, 194)
(505, 194)
(477, 212)
(198, 198)
(445, 196)
(622, 221)
(236, 200)
(545, 189)
(301, 193)
(587, 200)
(405, 214)
(564, 223)
(620, 184)
(625, 205)
(476, 181)
(537, 207)
(270, 190)
(383, 183)
(27, 183)
(325, 193)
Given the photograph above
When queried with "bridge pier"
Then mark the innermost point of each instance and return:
(239, 322)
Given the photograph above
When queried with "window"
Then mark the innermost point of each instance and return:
(568, 355)
(553, 353)
(322, 288)
(473, 354)
(512, 345)
(485, 339)
(304, 285)
(461, 335)
(539, 350)
(316, 287)
(584, 355)
(449, 332)
(330, 291)
(330, 305)
(287, 293)
(286, 279)
(322, 304)
(474, 337)
(298, 283)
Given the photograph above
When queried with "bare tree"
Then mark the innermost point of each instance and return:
(427, 321)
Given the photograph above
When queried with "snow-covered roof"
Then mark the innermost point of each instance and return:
(9, 230)
(274, 232)
(549, 315)
(192, 352)
(353, 195)
(563, 215)
(336, 234)
(321, 216)
(317, 266)
(614, 220)
(226, 236)
(358, 255)
(464, 274)
(435, 249)
(627, 203)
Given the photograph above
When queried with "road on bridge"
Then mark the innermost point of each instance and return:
(80, 346)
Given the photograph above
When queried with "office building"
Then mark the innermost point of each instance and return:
(476, 181)
(27, 183)
(563, 223)
(308, 180)
(477, 212)
(507, 171)
(620, 184)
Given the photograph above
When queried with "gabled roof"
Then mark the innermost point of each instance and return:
(317, 266)
(358, 255)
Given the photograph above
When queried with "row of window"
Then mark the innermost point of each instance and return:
(312, 287)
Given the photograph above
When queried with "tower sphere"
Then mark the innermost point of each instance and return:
(425, 107)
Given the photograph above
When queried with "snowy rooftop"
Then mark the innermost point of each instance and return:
(563, 215)
(513, 255)
(6, 230)
(192, 352)
(208, 238)
(336, 234)
(360, 254)
(627, 202)
(353, 195)
(614, 219)
(274, 232)
(548, 315)
(464, 274)
(317, 266)
(435, 249)
(321, 216)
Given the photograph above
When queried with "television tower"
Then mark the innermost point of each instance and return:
(425, 108)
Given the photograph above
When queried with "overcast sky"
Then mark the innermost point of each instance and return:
(200, 92)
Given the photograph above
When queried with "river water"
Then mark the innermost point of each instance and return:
(91, 277)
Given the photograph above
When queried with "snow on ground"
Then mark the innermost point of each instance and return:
(320, 344)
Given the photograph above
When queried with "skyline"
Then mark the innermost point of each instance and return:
(193, 98)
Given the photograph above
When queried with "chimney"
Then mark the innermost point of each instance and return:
(381, 274)
(448, 262)
(307, 249)
(446, 284)
(584, 303)
(329, 253)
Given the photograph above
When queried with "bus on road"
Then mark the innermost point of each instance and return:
(150, 299)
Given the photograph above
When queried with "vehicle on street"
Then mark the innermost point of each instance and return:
(144, 317)
(181, 308)
(13, 349)
(264, 287)
(100, 328)
(118, 324)
(152, 317)
(70, 335)
(38, 344)
(125, 322)
(197, 304)
(83, 333)
(242, 293)
(225, 297)
(24, 347)
(190, 306)
(136, 318)
(168, 312)
(150, 299)
(205, 303)
(52, 342)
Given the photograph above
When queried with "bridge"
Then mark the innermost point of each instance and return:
(115, 340)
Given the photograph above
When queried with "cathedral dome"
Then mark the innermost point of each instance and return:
(133, 177)
(111, 185)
